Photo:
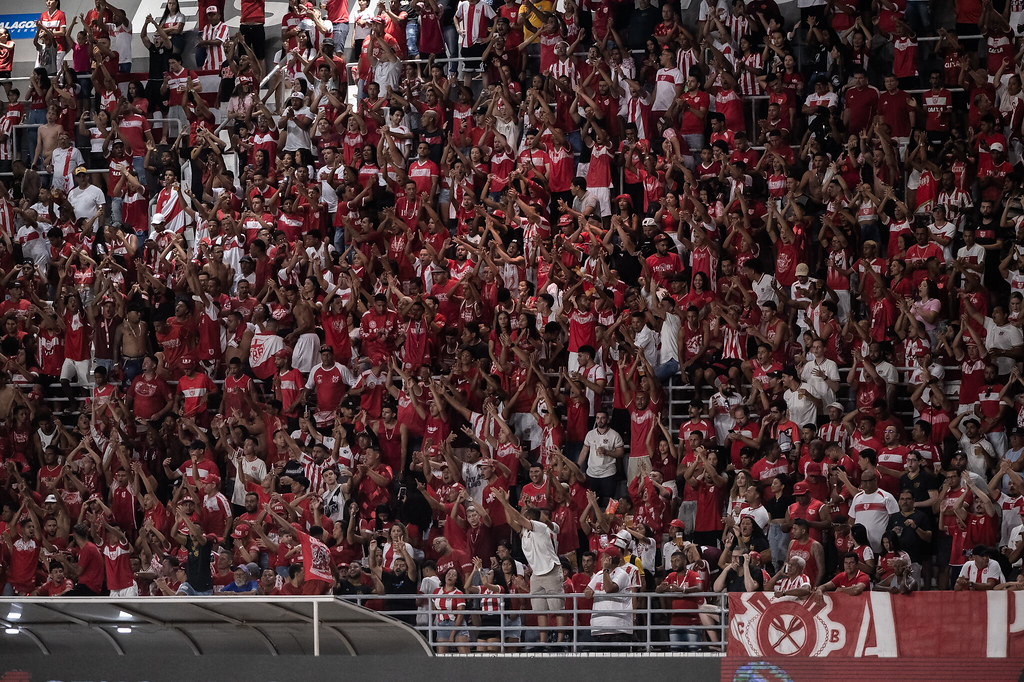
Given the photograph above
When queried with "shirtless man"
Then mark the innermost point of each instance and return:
(47, 137)
(303, 338)
(132, 344)
(10, 397)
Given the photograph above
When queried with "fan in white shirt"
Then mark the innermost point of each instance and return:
(980, 573)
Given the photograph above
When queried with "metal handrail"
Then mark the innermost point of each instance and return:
(650, 628)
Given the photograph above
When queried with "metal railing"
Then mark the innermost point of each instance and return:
(646, 623)
(20, 129)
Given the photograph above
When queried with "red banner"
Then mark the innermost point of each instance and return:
(879, 625)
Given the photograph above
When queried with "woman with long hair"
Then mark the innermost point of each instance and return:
(173, 23)
(449, 603)
(862, 548)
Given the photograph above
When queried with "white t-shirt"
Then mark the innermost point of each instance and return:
(801, 410)
(539, 548)
(976, 575)
(946, 231)
(613, 613)
(297, 137)
(1015, 537)
(975, 453)
(601, 466)
(670, 339)
(760, 516)
(665, 84)
(873, 511)
(427, 586)
(1005, 337)
(86, 202)
(765, 290)
(816, 384)
(256, 470)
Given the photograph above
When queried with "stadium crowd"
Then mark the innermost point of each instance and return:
(411, 312)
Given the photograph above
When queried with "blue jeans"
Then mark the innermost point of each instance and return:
(451, 43)
(918, 15)
(132, 367)
(667, 369)
(412, 37)
(339, 241)
(187, 589)
(340, 37)
(31, 134)
(681, 636)
(575, 141)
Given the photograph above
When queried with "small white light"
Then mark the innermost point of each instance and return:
(124, 615)
(14, 615)
(124, 630)
(12, 631)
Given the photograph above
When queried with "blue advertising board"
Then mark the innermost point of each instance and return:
(20, 25)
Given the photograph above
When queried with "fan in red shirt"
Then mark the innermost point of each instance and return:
(194, 389)
(23, 542)
(117, 563)
(852, 580)
(685, 610)
(149, 396)
(372, 482)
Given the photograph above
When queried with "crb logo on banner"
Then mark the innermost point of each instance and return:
(19, 25)
(768, 626)
(877, 624)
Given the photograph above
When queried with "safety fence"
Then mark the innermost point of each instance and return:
(624, 622)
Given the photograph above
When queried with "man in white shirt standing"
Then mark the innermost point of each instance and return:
(602, 446)
(1003, 340)
(821, 375)
(669, 322)
(541, 550)
(87, 199)
(65, 160)
(612, 619)
(872, 507)
(668, 85)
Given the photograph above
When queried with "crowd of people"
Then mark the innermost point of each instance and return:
(463, 300)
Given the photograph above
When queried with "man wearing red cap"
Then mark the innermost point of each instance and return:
(215, 512)
(663, 264)
(813, 511)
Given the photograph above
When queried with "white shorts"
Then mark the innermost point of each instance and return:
(637, 466)
(527, 429)
(843, 309)
(75, 370)
(305, 355)
(604, 199)
(574, 361)
(132, 591)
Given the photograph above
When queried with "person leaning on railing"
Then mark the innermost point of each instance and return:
(682, 581)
